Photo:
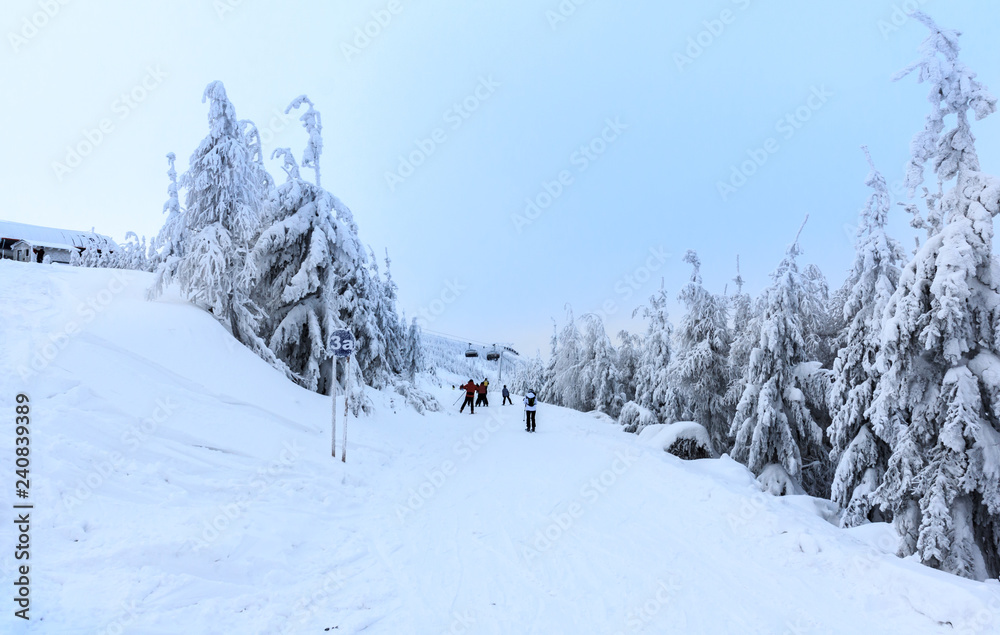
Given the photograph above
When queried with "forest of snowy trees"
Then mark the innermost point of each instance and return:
(883, 395)
(280, 266)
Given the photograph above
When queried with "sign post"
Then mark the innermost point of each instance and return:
(341, 345)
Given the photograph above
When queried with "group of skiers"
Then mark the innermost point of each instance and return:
(472, 389)
(475, 395)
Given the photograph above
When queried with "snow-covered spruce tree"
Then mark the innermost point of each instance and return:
(937, 400)
(744, 338)
(369, 341)
(529, 376)
(387, 319)
(222, 219)
(629, 357)
(815, 374)
(564, 385)
(413, 361)
(822, 329)
(313, 124)
(546, 384)
(168, 243)
(294, 260)
(774, 432)
(379, 325)
(651, 380)
(599, 374)
(75, 259)
(131, 254)
(260, 178)
(860, 455)
(699, 373)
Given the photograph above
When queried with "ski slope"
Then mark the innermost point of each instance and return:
(182, 486)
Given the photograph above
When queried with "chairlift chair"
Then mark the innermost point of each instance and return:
(493, 355)
(471, 352)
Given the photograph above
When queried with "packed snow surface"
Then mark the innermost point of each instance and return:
(181, 485)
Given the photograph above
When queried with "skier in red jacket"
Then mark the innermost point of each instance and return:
(470, 393)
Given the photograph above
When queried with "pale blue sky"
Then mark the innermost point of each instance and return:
(615, 229)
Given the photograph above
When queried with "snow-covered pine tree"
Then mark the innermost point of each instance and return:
(860, 455)
(260, 178)
(75, 259)
(564, 386)
(131, 254)
(744, 338)
(529, 376)
(414, 352)
(168, 243)
(222, 219)
(370, 341)
(380, 327)
(652, 381)
(542, 389)
(699, 373)
(294, 260)
(313, 124)
(600, 378)
(387, 318)
(629, 358)
(815, 374)
(822, 329)
(937, 400)
(773, 429)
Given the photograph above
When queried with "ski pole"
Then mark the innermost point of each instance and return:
(456, 401)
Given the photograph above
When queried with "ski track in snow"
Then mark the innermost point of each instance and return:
(507, 532)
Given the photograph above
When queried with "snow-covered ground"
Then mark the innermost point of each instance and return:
(183, 486)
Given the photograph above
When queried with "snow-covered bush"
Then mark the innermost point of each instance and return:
(687, 440)
(418, 399)
(635, 417)
(775, 480)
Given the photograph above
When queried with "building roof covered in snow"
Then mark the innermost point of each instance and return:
(52, 237)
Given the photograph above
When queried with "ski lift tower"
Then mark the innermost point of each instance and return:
(499, 353)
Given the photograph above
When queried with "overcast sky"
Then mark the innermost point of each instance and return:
(618, 119)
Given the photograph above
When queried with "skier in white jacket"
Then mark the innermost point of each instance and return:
(529, 410)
